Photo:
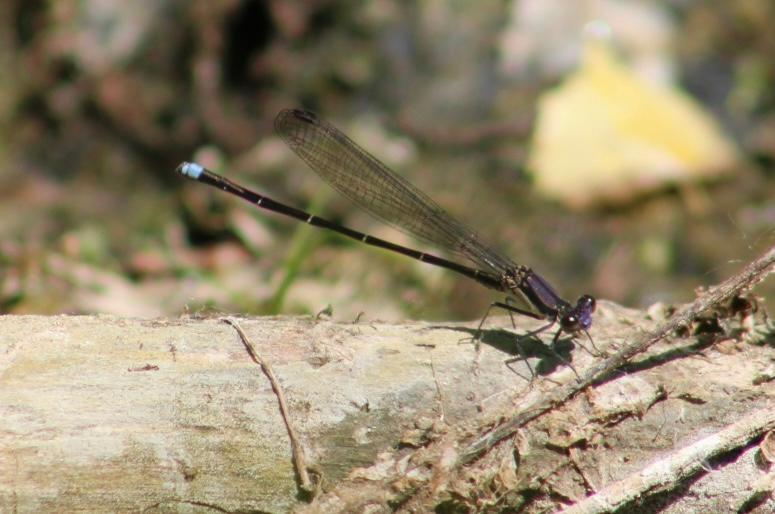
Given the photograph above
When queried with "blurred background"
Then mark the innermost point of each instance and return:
(624, 149)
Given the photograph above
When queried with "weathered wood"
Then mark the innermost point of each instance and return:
(110, 414)
(103, 414)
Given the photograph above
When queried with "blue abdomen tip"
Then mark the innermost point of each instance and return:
(190, 169)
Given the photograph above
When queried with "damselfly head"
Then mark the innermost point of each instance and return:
(580, 316)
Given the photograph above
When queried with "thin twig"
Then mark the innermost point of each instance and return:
(755, 272)
(438, 388)
(299, 460)
(664, 473)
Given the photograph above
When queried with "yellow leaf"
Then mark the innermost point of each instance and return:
(606, 135)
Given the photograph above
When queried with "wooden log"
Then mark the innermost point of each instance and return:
(105, 414)
(99, 413)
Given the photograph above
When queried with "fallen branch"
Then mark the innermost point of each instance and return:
(752, 274)
(142, 413)
(667, 472)
(444, 467)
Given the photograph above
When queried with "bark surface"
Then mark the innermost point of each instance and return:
(103, 414)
